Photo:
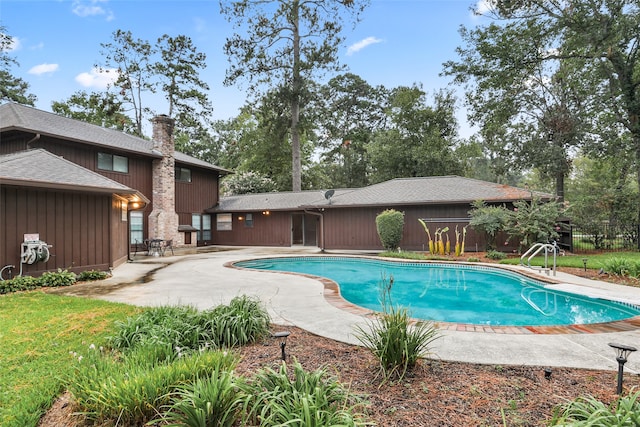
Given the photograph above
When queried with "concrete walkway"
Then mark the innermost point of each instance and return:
(202, 280)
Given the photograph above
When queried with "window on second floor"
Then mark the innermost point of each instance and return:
(183, 174)
(113, 162)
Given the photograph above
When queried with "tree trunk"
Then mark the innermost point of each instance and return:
(296, 166)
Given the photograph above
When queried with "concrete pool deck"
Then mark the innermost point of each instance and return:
(201, 279)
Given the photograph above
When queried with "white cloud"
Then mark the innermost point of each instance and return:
(41, 69)
(84, 8)
(97, 78)
(358, 46)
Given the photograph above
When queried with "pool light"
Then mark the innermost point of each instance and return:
(282, 336)
(622, 353)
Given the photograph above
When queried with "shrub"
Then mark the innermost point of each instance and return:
(91, 275)
(212, 401)
(496, 255)
(307, 399)
(393, 339)
(185, 329)
(621, 267)
(588, 411)
(134, 389)
(55, 279)
(389, 225)
(20, 283)
(473, 259)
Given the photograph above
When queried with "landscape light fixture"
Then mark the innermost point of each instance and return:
(622, 353)
(547, 373)
(584, 261)
(282, 336)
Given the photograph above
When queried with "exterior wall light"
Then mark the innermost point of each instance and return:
(622, 353)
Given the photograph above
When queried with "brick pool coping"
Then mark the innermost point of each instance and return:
(332, 296)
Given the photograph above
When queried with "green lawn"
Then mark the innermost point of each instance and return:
(38, 333)
(594, 261)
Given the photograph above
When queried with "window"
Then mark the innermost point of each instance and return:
(203, 224)
(223, 222)
(112, 162)
(136, 227)
(248, 220)
(183, 174)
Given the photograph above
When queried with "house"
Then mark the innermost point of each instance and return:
(91, 194)
(345, 218)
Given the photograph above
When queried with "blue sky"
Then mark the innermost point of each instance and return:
(57, 42)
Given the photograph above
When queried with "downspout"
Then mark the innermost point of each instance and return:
(321, 226)
(34, 139)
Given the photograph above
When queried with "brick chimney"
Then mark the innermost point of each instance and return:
(163, 220)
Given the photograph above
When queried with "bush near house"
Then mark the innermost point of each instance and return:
(390, 224)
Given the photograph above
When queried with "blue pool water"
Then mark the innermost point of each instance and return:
(453, 293)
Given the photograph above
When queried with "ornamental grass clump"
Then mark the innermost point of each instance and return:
(212, 401)
(394, 339)
(134, 388)
(589, 411)
(185, 328)
(309, 399)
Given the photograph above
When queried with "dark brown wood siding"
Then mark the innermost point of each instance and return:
(86, 231)
(268, 230)
(199, 194)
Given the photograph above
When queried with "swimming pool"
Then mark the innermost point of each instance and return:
(453, 293)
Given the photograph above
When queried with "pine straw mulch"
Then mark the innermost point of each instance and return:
(436, 393)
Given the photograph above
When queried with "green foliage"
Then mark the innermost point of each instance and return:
(211, 401)
(308, 399)
(134, 389)
(534, 221)
(99, 108)
(11, 88)
(473, 259)
(589, 411)
(620, 266)
(20, 283)
(91, 275)
(489, 220)
(402, 255)
(58, 278)
(426, 134)
(185, 329)
(394, 339)
(247, 182)
(390, 224)
(496, 255)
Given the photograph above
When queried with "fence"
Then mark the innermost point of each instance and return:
(604, 237)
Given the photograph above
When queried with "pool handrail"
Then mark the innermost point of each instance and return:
(535, 250)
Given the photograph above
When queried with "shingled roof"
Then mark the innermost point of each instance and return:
(40, 168)
(396, 192)
(28, 119)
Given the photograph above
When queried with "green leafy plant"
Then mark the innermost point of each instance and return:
(489, 220)
(532, 222)
(394, 339)
(20, 283)
(589, 411)
(305, 399)
(620, 266)
(390, 224)
(91, 275)
(212, 401)
(496, 255)
(134, 388)
(54, 279)
(185, 329)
